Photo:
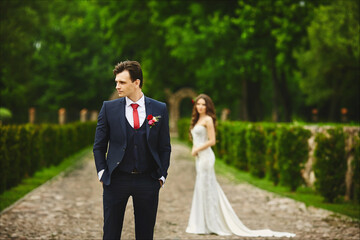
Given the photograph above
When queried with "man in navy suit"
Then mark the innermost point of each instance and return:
(132, 153)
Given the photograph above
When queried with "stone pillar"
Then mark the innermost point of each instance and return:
(224, 114)
(83, 115)
(62, 116)
(94, 115)
(349, 151)
(344, 112)
(314, 115)
(32, 113)
(308, 172)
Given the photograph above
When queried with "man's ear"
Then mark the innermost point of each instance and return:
(137, 82)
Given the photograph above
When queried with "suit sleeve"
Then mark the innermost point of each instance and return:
(164, 142)
(101, 140)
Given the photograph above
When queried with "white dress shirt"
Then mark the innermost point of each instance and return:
(130, 118)
(129, 110)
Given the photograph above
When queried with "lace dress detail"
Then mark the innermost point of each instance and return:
(211, 212)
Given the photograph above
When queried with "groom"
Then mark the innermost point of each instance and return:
(132, 153)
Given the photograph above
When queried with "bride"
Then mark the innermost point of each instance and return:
(211, 212)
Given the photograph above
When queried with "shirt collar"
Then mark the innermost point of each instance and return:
(140, 102)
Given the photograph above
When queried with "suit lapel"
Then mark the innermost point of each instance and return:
(122, 117)
(148, 112)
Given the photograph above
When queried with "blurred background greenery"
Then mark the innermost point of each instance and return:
(265, 60)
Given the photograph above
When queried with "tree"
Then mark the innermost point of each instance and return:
(330, 67)
(240, 52)
(19, 29)
(53, 55)
(73, 67)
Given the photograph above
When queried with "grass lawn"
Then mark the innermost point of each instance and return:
(302, 194)
(27, 185)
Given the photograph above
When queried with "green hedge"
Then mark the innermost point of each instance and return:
(238, 145)
(356, 168)
(330, 164)
(256, 150)
(183, 129)
(292, 154)
(27, 148)
(279, 152)
(271, 159)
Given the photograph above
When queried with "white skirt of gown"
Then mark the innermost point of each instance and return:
(211, 212)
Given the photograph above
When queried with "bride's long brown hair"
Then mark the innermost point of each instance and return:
(210, 110)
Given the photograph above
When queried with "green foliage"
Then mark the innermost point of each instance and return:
(330, 67)
(218, 148)
(41, 176)
(12, 156)
(244, 54)
(3, 155)
(356, 170)
(24, 149)
(226, 134)
(183, 129)
(28, 148)
(272, 165)
(5, 114)
(56, 56)
(292, 153)
(256, 150)
(238, 145)
(281, 150)
(330, 164)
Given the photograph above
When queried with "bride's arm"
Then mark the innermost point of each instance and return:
(211, 134)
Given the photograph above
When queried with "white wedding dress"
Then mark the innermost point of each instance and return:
(211, 212)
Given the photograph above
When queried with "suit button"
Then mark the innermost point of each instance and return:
(118, 163)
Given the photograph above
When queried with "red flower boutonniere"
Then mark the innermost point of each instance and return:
(152, 120)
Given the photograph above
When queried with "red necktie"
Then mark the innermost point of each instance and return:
(135, 115)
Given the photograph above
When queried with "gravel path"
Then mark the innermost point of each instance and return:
(70, 207)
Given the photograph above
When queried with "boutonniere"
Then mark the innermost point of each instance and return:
(152, 120)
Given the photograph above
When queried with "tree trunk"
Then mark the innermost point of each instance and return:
(334, 102)
(244, 101)
(275, 98)
(286, 99)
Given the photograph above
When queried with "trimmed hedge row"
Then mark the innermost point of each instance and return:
(292, 153)
(280, 151)
(330, 166)
(356, 168)
(27, 148)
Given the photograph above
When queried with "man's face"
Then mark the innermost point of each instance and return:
(124, 86)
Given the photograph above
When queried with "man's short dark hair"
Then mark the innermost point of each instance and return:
(134, 69)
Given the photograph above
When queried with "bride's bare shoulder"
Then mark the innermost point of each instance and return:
(208, 120)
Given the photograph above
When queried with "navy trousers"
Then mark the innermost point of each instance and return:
(144, 190)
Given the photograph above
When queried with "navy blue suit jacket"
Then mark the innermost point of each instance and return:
(110, 137)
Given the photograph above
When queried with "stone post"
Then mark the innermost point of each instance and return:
(32, 113)
(83, 115)
(94, 115)
(224, 114)
(349, 151)
(344, 112)
(314, 115)
(62, 116)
